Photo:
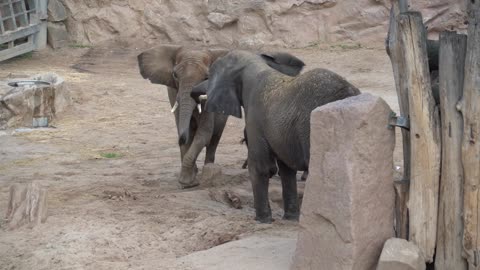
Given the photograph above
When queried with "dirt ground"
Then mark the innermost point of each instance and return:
(127, 212)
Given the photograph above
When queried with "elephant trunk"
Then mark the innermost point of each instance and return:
(186, 106)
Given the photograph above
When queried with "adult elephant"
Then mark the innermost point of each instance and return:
(277, 118)
(180, 68)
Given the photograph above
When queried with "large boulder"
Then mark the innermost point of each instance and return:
(399, 254)
(32, 105)
(57, 35)
(347, 211)
(56, 11)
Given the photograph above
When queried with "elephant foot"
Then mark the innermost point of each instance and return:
(304, 176)
(188, 178)
(291, 216)
(264, 216)
(264, 220)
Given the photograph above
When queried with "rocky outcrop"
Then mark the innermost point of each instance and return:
(293, 23)
(28, 104)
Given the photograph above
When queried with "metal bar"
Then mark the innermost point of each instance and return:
(17, 50)
(21, 32)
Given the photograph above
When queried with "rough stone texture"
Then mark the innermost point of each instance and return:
(258, 252)
(347, 211)
(399, 254)
(294, 23)
(56, 11)
(19, 106)
(57, 35)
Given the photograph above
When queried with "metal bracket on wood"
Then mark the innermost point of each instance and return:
(398, 121)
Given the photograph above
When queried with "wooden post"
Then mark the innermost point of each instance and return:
(470, 108)
(401, 210)
(450, 222)
(425, 135)
(27, 205)
(394, 51)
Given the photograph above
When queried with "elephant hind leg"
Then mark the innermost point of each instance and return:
(212, 148)
(289, 191)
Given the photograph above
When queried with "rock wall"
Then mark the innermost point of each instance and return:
(291, 23)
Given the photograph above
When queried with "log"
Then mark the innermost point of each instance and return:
(394, 51)
(470, 108)
(425, 135)
(27, 205)
(450, 221)
(401, 210)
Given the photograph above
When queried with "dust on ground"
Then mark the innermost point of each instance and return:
(111, 163)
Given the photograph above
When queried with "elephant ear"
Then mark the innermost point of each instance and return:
(222, 98)
(157, 64)
(283, 62)
(217, 53)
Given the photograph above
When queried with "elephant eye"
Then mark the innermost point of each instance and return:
(174, 75)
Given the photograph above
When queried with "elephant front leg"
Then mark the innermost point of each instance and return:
(187, 178)
(289, 191)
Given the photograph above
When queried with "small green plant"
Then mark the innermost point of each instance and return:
(110, 155)
(79, 46)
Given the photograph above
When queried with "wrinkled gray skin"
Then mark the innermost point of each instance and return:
(277, 118)
(179, 69)
(245, 164)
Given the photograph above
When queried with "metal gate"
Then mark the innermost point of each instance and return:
(22, 27)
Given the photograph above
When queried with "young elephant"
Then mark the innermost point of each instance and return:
(180, 68)
(277, 118)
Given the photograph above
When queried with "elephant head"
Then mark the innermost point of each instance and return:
(224, 75)
(179, 68)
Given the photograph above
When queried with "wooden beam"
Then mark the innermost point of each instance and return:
(470, 108)
(425, 135)
(22, 32)
(395, 53)
(450, 222)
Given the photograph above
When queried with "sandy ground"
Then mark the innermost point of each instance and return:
(157, 226)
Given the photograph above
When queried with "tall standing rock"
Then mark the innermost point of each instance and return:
(347, 211)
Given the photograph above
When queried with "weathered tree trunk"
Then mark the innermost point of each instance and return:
(470, 108)
(27, 205)
(450, 221)
(398, 66)
(425, 135)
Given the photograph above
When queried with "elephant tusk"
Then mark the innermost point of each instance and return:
(199, 107)
(175, 106)
(202, 97)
